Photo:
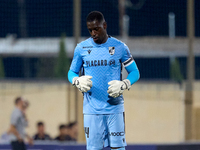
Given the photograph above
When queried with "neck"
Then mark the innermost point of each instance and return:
(20, 108)
(41, 134)
(72, 135)
(105, 39)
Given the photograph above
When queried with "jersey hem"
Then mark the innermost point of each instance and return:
(102, 113)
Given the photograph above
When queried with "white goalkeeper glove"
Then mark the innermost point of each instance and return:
(117, 87)
(83, 83)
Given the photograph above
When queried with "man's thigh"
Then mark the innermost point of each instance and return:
(95, 131)
(116, 130)
(18, 145)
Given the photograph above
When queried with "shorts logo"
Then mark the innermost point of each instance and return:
(86, 131)
(116, 133)
(111, 50)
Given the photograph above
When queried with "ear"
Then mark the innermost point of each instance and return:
(105, 25)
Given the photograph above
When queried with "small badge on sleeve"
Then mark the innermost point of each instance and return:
(111, 50)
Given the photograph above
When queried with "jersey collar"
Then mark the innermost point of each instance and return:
(99, 45)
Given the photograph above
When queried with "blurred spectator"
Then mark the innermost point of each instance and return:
(18, 125)
(41, 135)
(62, 133)
(72, 133)
(5, 138)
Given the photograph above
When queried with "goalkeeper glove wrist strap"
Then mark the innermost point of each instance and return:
(74, 80)
(127, 83)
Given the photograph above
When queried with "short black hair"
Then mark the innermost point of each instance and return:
(95, 15)
(40, 123)
(62, 126)
(71, 124)
(17, 100)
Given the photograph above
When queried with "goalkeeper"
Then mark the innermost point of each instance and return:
(101, 57)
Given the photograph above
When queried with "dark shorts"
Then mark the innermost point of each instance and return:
(16, 145)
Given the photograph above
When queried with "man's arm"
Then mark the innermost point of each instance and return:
(30, 140)
(117, 87)
(71, 76)
(14, 131)
(133, 73)
(83, 83)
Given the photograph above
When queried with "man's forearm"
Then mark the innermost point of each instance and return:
(71, 75)
(30, 140)
(15, 132)
(28, 137)
(133, 73)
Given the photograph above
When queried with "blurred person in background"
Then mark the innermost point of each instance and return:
(41, 135)
(18, 125)
(62, 133)
(72, 132)
(5, 138)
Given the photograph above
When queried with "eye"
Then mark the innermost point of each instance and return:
(90, 30)
(96, 29)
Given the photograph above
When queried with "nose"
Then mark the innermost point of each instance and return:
(93, 33)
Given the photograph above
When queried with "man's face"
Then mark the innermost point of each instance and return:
(41, 129)
(75, 131)
(21, 103)
(63, 131)
(98, 31)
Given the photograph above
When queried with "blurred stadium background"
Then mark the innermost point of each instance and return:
(37, 39)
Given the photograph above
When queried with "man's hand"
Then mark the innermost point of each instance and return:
(83, 83)
(14, 131)
(30, 141)
(19, 139)
(117, 87)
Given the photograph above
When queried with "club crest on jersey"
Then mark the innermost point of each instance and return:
(111, 50)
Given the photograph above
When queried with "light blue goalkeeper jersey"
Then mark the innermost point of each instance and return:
(104, 63)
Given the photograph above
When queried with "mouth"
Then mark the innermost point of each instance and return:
(95, 38)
